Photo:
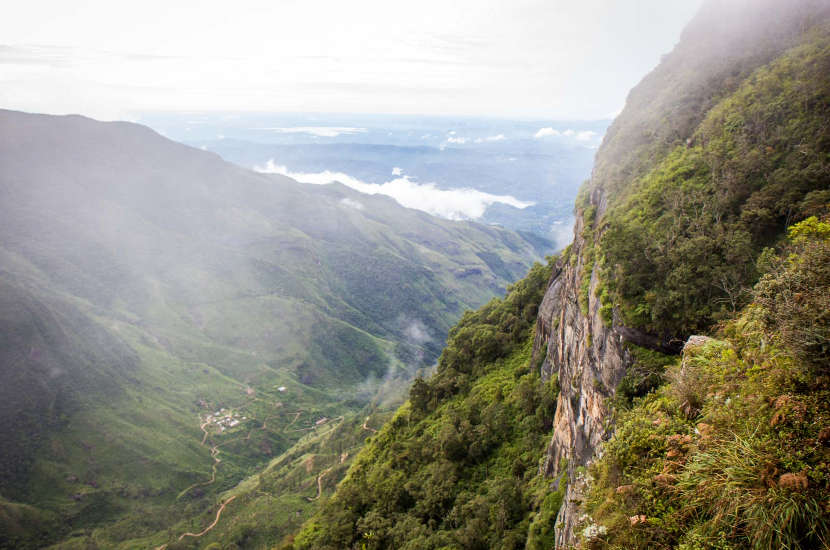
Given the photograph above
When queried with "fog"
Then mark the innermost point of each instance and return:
(525, 58)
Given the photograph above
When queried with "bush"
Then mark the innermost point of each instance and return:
(795, 296)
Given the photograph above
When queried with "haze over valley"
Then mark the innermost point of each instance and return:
(525, 275)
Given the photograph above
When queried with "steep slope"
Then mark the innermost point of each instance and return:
(733, 450)
(717, 152)
(146, 284)
(457, 465)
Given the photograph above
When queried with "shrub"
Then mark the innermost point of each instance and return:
(795, 296)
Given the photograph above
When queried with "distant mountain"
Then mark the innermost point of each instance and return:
(145, 284)
(538, 162)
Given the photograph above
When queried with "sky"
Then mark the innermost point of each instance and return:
(550, 59)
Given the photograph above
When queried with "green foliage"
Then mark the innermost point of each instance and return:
(681, 241)
(458, 465)
(795, 295)
(483, 336)
(541, 533)
(643, 375)
(732, 452)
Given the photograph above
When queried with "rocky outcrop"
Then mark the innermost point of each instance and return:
(589, 358)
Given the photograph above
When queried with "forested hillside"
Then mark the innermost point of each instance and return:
(458, 465)
(703, 229)
(732, 451)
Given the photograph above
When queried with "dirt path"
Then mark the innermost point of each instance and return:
(367, 428)
(206, 529)
(212, 525)
(214, 451)
(296, 416)
(214, 454)
(202, 427)
(319, 484)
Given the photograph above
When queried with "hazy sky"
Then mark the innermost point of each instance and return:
(527, 58)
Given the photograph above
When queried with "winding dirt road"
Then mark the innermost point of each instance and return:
(206, 529)
(367, 428)
(319, 484)
(212, 525)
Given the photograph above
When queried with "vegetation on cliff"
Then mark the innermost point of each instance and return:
(457, 466)
(733, 451)
(679, 249)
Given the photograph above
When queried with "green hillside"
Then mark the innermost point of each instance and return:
(458, 465)
(706, 213)
(145, 285)
(679, 244)
(732, 451)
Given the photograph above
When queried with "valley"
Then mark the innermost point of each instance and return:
(147, 284)
(231, 326)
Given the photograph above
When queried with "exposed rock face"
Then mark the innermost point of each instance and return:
(590, 360)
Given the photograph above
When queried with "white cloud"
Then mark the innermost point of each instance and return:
(561, 233)
(458, 140)
(453, 204)
(397, 171)
(580, 135)
(499, 137)
(417, 333)
(319, 131)
(351, 203)
(545, 132)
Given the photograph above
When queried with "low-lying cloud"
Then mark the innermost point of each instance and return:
(453, 204)
(461, 140)
(545, 132)
(582, 135)
(319, 131)
(352, 204)
(417, 333)
(489, 139)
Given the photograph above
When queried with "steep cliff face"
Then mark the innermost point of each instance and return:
(721, 65)
(589, 359)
